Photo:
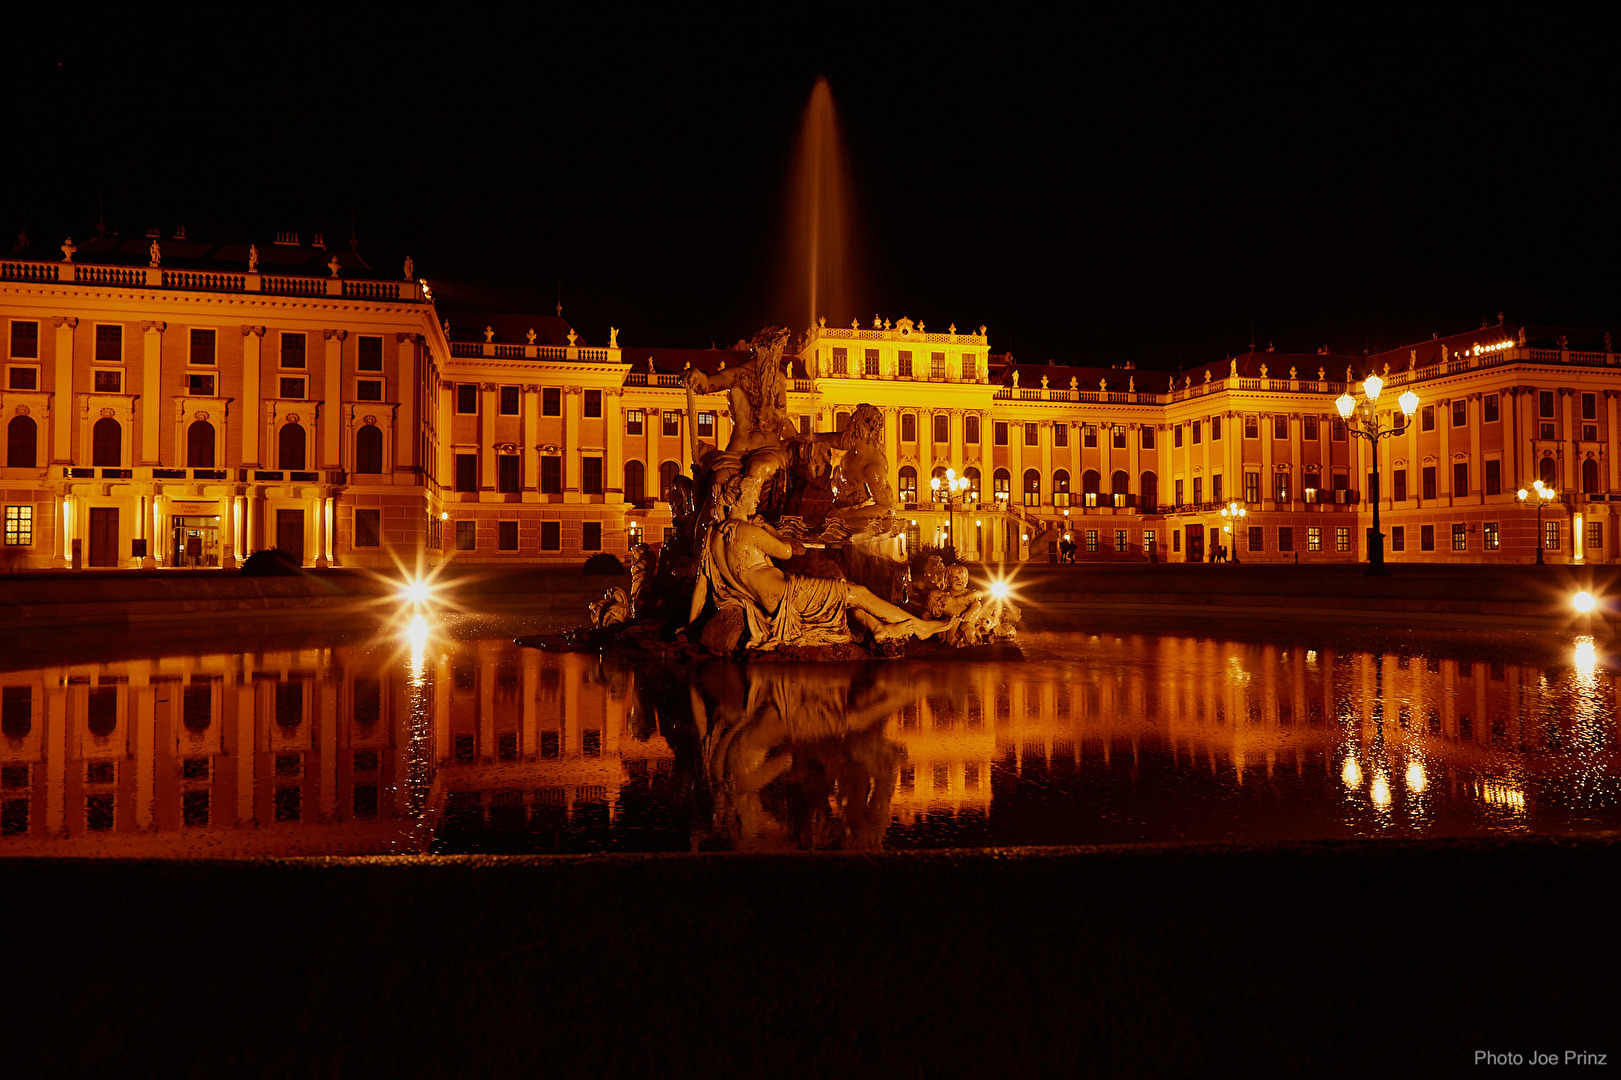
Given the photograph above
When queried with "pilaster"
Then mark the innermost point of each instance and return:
(252, 343)
(332, 379)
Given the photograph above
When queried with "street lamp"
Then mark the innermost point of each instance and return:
(1233, 513)
(1371, 430)
(953, 487)
(1543, 495)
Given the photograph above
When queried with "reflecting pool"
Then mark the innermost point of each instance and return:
(437, 734)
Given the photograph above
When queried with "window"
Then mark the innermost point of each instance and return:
(1280, 427)
(19, 526)
(292, 350)
(1198, 490)
(937, 365)
(706, 425)
(200, 385)
(1460, 412)
(200, 445)
(1252, 487)
(467, 398)
(202, 347)
(593, 403)
(1252, 427)
(1595, 534)
(1000, 484)
(506, 536)
(369, 390)
(1120, 542)
(369, 449)
(1460, 478)
(1176, 537)
(1590, 433)
(999, 432)
(467, 472)
(1286, 538)
(22, 378)
(1089, 436)
(1120, 436)
(903, 364)
(971, 474)
(1550, 535)
(1092, 540)
(1342, 538)
(1426, 538)
(870, 364)
(591, 475)
(1398, 538)
(667, 476)
(509, 401)
(942, 428)
(109, 382)
(1313, 479)
(1589, 404)
(466, 536)
(1492, 409)
(25, 340)
(1032, 487)
(1061, 487)
(841, 361)
(908, 427)
(368, 527)
(1215, 488)
(1426, 418)
(908, 484)
(1314, 538)
(634, 421)
(591, 536)
(1545, 403)
(292, 388)
(507, 473)
(1032, 434)
(1547, 432)
(1494, 477)
(1308, 428)
(109, 344)
(970, 429)
(1280, 486)
(1176, 436)
(635, 482)
(369, 353)
(551, 475)
(1336, 431)
(1429, 481)
(551, 536)
(1398, 484)
(1256, 541)
(970, 368)
(1150, 541)
(1197, 431)
(1060, 433)
(1146, 435)
(1460, 536)
(1546, 468)
(1589, 475)
(1215, 429)
(551, 401)
(1490, 538)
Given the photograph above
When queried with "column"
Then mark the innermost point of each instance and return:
(1477, 466)
(1569, 471)
(530, 398)
(1610, 435)
(651, 426)
(319, 528)
(252, 342)
(1267, 442)
(892, 445)
(227, 511)
(145, 729)
(572, 400)
(151, 389)
(406, 381)
(487, 405)
(1045, 437)
(957, 461)
(443, 425)
(1297, 461)
(1134, 443)
(331, 429)
(63, 412)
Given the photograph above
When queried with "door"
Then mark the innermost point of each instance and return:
(290, 532)
(1195, 543)
(104, 536)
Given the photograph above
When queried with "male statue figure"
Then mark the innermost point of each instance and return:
(758, 396)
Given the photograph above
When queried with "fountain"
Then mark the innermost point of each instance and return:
(819, 266)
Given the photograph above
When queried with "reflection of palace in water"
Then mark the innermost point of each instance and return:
(381, 748)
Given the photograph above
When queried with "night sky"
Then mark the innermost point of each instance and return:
(1150, 187)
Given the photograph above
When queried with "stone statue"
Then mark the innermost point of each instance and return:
(1131, 385)
(1232, 368)
(253, 258)
(410, 269)
(612, 610)
(489, 333)
(651, 370)
(572, 336)
(67, 250)
(641, 578)
(860, 483)
(779, 608)
(613, 337)
(758, 395)
(154, 254)
(530, 335)
(1292, 372)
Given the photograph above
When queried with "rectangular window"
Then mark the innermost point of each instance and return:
(1460, 412)
(1460, 536)
(1286, 538)
(908, 427)
(937, 365)
(1590, 433)
(1589, 404)
(112, 381)
(202, 347)
(1548, 432)
(1460, 478)
(1215, 429)
(551, 475)
(1429, 481)
(841, 361)
(368, 389)
(1314, 538)
(1146, 432)
(507, 475)
(1491, 409)
(1550, 535)
(292, 389)
(25, 340)
(970, 429)
(1150, 541)
(1120, 436)
(1545, 403)
(292, 350)
(591, 475)
(1252, 426)
(1176, 436)
(1426, 538)
(1176, 539)
(551, 401)
(1252, 487)
(1215, 488)
(466, 536)
(1032, 434)
(1060, 433)
(22, 378)
(19, 526)
(368, 527)
(466, 398)
(509, 404)
(1398, 484)
(109, 344)
(593, 403)
(672, 422)
(1197, 431)
(1336, 431)
(1490, 537)
(1120, 540)
(590, 536)
(870, 365)
(903, 364)
(200, 385)
(1089, 436)
(908, 486)
(1092, 540)
(1198, 490)
(369, 353)
(1257, 543)
(1426, 418)
(1280, 486)
(634, 421)
(970, 367)
(1595, 534)
(466, 472)
(706, 425)
(1179, 493)
(506, 536)
(1398, 538)
(1342, 538)
(1308, 429)
(1494, 477)
(551, 534)
(1280, 427)
(942, 428)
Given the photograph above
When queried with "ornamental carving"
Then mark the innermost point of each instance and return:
(330, 334)
(154, 327)
(107, 414)
(573, 390)
(256, 331)
(21, 410)
(487, 387)
(69, 321)
(549, 448)
(368, 419)
(194, 416)
(291, 418)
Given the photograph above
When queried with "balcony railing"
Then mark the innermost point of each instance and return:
(227, 281)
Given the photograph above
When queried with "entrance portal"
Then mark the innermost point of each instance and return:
(195, 541)
(290, 532)
(1195, 543)
(103, 536)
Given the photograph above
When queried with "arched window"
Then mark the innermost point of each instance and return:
(1148, 494)
(635, 482)
(1590, 475)
(971, 474)
(200, 445)
(1120, 482)
(1546, 468)
(908, 484)
(369, 449)
(107, 443)
(290, 447)
(1032, 487)
(999, 484)
(938, 493)
(667, 474)
(1061, 487)
(1089, 480)
(22, 442)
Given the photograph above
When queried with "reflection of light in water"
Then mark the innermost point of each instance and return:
(418, 633)
(1500, 794)
(1352, 773)
(421, 736)
(1416, 780)
(1585, 657)
(1311, 656)
(1379, 791)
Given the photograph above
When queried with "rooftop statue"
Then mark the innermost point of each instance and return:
(253, 258)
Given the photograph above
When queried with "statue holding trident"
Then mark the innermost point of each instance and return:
(758, 394)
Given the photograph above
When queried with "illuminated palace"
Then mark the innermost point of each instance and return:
(173, 402)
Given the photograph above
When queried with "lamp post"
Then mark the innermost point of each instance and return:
(1232, 514)
(1369, 429)
(1543, 495)
(953, 489)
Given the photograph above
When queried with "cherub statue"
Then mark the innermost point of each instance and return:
(612, 610)
(958, 603)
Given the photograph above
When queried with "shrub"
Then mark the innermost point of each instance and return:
(272, 562)
(603, 564)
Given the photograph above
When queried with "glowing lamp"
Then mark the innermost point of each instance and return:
(999, 589)
(1346, 404)
(1583, 602)
(1371, 387)
(1409, 403)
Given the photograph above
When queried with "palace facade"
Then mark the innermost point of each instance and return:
(171, 402)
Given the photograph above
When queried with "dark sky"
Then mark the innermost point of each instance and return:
(1097, 188)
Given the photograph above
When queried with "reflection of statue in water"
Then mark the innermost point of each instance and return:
(758, 395)
(735, 568)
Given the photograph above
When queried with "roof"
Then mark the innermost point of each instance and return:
(509, 328)
(674, 361)
(105, 247)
